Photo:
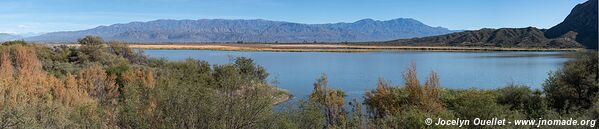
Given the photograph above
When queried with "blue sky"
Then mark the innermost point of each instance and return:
(25, 16)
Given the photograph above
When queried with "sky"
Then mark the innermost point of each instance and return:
(39, 16)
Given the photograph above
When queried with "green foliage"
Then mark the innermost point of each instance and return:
(305, 115)
(358, 118)
(594, 111)
(523, 99)
(248, 69)
(15, 42)
(473, 103)
(114, 87)
(110, 85)
(122, 50)
(90, 41)
(89, 116)
(536, 106)
(483, 103)
(93, 49)
(36, 115)
(515, 96)
(575, 85)
(135, 109)
(191, 94)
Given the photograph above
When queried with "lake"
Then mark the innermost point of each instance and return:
(356, 73)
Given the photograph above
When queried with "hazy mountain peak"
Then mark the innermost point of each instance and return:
(8, 37)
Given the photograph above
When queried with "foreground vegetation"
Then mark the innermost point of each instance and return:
(109, 85)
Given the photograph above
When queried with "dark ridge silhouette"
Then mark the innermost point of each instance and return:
(582, 20)
(504, 37)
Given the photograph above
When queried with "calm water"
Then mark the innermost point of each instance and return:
(357, 72)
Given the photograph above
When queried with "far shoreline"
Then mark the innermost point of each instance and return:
(312, 47)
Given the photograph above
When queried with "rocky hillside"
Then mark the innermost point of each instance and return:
(504, 37)
(582, 20)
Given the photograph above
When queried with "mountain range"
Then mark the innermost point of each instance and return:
(8, 37)
(579, 29)
(221, 30)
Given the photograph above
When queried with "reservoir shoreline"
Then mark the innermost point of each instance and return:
(324, 47)
(355, 72)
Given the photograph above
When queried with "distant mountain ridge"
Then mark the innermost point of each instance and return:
(8, 37)
(578, 30)
(221, 30)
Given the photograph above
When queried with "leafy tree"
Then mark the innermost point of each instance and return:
(90, 41)
(249, 69)
(123, 50)
(516, 96)
(523, 99)
(182, 94)
(574, 85)
(91, 49)
(244, 98)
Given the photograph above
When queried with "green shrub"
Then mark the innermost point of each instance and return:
(523, 99)
(15, 42)
(575, 85)
(474, 103)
